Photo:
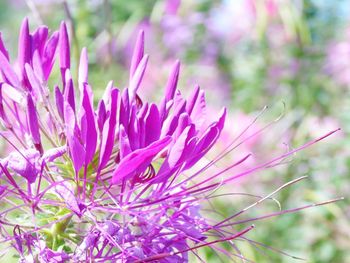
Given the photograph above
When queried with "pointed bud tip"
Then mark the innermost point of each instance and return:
(141, 34)
(25, 22)
(176, 68)
(63, 24)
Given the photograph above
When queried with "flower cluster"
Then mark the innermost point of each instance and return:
(118, 182)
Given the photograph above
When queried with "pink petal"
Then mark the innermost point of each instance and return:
(176, 152)
(208, 139)
(7, 71)
(76, 149)
(109, 131)
(91, 131)
(124, 144)
(192, 99)
(52, 154)
(152, 125)
(64, 49)
(138, 160)
(69, 90)
(33, 121)
(39, 39)
(33, 82)
(68, 196)
(184, 121)
(59, 101)
(124, 109)
(107, 94)
(137, 77)
(138, 53)
(83, 69)
(37, 66)
(3, 115)
(49, 54)
(199, 110)
(13, 94)
(25, 164)
(172, 81)
(24, 45)
(101, 115)
(3, 49)
(133, 129)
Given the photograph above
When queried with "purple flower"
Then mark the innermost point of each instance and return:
(123, 182)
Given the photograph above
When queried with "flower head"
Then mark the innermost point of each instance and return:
(117, 182)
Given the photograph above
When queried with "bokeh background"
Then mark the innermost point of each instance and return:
(290, 55)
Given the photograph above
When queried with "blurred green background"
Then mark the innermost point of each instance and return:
(293, 56)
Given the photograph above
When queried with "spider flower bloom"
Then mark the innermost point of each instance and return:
(118, 182)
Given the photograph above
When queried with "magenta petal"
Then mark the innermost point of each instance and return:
(91, 131)
(184, 121)
(222, 118)
(133, 130)
(3, 49)
(199, 110)
(64, 50)
(13, 94)
(25, 164)
(169, 126)
(52, 154)
(141, 112)
(59, 101)
(172, 123)
(172, 81)
(140, 125)
(33, 122)
(49, 54)
(152, 125)
(208, 139)
(83, 69)
(124, 144)
(192, 99)
(7, 72)
(3, 115)
(203, 145)
(179, 106)
(69, 90)
(39, 39)
(164, 109)
(175, 153)
(33, 82)
(76, 149)
(108, 133)
(37, 67)
(138, 53)
(83, 126)
(107, 94)
(191, 144)
(137, 77)
(24, 45)
(124, 109)
(70, 199)
(140, 158)
(101, 115)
